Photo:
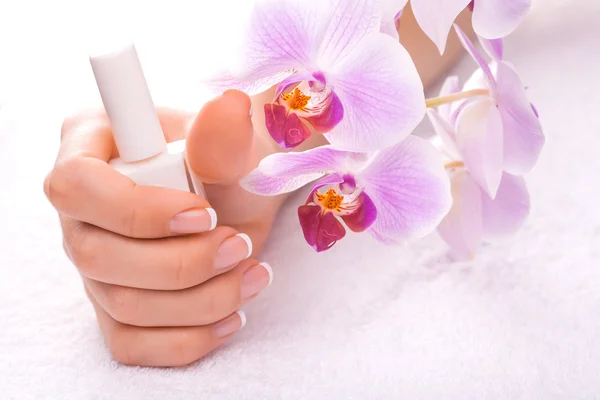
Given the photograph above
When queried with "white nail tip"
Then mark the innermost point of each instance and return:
(213, 218)
(267, 266)
(242, 316)
(248, 241)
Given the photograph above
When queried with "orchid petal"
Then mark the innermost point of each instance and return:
(462, 227)
(352, 20)
(477, 56)
(493, 47)
(479, 138)
(388, 27)
(505, 214)
(286, 172)
(391, 10)
(450, 86)
(446, 133)
(364, 216)
(321, 231)
(493, 19)
(535, 111)
(287, 130)
(329, 118)
(258, 182)
(523, 135)
(409, 187)
(281, 35)
(478, 80)
(381, 92)
(223, 81)
(436, 17)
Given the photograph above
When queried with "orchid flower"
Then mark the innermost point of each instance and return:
(398, 193)
(475, 215)
(334, 69)
(498, 129)
(492, 19)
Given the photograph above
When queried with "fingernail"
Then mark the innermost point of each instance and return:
(194, 221)
(233, 250)
(256, 279)
(231, 324)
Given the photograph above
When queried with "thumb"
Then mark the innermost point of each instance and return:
(220, 140)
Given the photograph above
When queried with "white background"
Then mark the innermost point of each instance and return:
(44, 46)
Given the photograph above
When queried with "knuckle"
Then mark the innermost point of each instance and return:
(80, 117)
(212, 308)
(193, 263)
(131, 223)
(67, 250)
(66, 178)
(122, 304)
(120, 345)
(185, 272)
(84, 250)
(183, 343)
(227, 299)
(69, 122)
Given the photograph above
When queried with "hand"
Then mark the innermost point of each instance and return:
(165, 289)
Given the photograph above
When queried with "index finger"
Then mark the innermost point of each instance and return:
(84, 187)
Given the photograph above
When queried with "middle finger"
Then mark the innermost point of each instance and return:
(171, 263)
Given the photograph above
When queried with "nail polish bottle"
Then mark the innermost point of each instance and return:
(144, 155)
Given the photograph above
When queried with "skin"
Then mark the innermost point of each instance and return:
(159, 296)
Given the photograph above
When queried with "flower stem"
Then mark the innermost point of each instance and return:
(438, 101)
(454, 164)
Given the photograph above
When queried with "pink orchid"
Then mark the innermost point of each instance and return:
(475, 215)
(398, 193)
(492, 19)
(334, 69)
(497, 131)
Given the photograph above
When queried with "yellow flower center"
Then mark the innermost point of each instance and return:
(296, 99)
(330, 201)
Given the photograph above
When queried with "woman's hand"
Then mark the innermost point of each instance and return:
(166, 288)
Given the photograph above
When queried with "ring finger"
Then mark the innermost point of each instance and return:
(200, 305)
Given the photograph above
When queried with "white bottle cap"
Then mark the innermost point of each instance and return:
(128, 103)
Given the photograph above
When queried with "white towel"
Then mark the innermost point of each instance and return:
(362, 321)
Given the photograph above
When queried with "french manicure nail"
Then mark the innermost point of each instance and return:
(256, 279)
(194, 221)
(233, 250)
(231, 324)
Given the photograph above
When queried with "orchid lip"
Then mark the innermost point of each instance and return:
(321, 231)
(333, 197)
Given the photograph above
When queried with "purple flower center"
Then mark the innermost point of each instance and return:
(319, 224)
(301, 108)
